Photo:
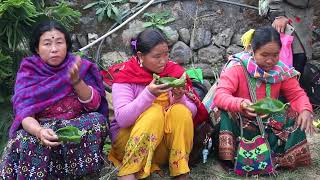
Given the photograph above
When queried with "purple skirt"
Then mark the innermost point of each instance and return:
(26, 158)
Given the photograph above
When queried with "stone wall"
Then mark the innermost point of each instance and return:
(203, 34)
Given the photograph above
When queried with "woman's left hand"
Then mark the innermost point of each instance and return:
(178, 92)
(74, 71)
(305, 122)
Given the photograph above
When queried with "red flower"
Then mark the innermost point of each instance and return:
(298, 19)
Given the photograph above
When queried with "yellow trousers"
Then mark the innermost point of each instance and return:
(159, 136)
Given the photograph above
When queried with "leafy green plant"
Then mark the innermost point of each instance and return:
(63, 14)
(158, 20)
(6, 118)
(6, 76)
(107, 8)
(6, 71)
(16, 19)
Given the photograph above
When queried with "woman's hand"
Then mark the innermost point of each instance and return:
(305, 122)
(158, 89)
(74, 71)
(246, 109)
(280, 24)
(178, 92)
(48, 137)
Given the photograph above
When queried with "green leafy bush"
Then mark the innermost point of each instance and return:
(107, 9)
(158, 20)
(16, 19)
(63, 14)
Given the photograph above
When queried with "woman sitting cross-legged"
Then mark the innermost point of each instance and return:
(153, 123)
(55, 89)
(285, 132)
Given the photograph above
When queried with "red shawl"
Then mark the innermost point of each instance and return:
(131, 72)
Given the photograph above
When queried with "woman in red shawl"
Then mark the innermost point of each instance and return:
(55, 89)
(153, 123)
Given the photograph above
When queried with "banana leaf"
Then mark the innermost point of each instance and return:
(171, 81)
(268, 105)
(69, 134)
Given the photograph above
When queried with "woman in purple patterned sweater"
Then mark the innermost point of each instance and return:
(55, 89)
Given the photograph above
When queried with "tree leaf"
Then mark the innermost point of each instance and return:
(109, 12)
(160, 27)
(169, 20)
(91, 5)
(147, 15)
(99, 11)
(100, 17)
(148, 24)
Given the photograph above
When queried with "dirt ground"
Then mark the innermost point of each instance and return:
(213, 171)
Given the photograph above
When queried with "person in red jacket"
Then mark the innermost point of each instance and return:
(286, 132)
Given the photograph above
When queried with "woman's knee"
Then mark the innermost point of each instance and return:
(182, 113)
(152, 117)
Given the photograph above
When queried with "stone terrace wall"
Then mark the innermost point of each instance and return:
(203, 34)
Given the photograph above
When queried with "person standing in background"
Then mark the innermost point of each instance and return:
(298, 14)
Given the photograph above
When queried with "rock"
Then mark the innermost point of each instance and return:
(316, 51)
(176, 8)
(236, 39)
(202, 38)
(233, 49)
(211, 54)
(111, 40)
(224, 38)
(125, 7)
(181, 53)
(83, 40)
(135, 28)
(184, 35)
(92, 37)
(171, 34)
(87, 20)
(111, 58)
(75, 43)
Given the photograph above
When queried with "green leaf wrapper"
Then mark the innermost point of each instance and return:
(268, 105)
(171, 81)
(69, 134)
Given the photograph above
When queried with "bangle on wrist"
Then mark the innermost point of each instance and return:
(76, 82)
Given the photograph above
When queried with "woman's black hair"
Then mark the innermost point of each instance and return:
(147, 40)
(264, 35)
(43, 27)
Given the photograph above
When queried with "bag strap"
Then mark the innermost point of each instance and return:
(251, 84)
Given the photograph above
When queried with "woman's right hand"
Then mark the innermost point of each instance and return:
(280, 24)
(246, 109)
(48, 137)
(158, 89)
